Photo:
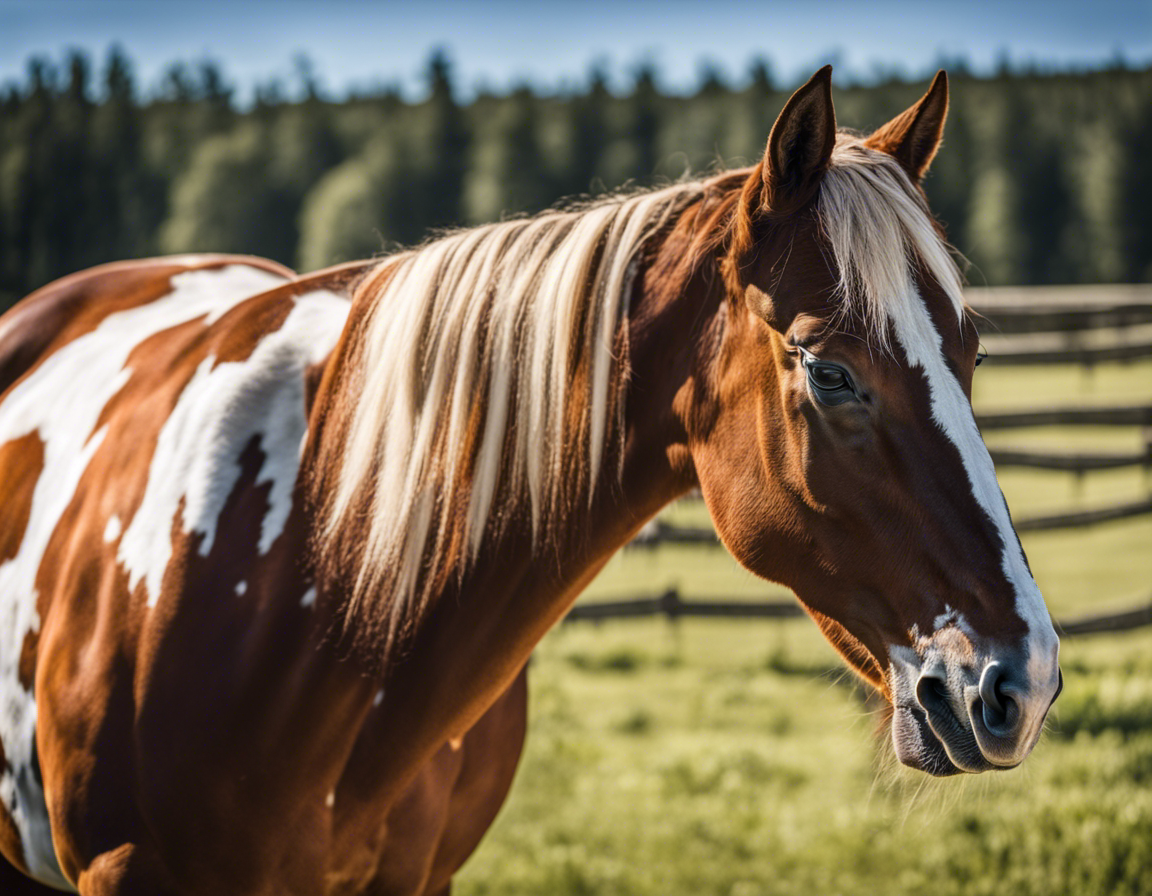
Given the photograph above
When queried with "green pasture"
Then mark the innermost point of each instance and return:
(737, 757)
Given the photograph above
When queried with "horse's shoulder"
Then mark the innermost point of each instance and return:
(67, 308)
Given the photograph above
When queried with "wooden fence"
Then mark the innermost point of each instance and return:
(1071, 463)
(1064, 325)
(1054, 348)
(672, 607)
(1115, 415)
(1060, 309)
(1068, 325)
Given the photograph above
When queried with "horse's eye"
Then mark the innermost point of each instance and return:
(829, 382)
(826, 377)
(980, 356)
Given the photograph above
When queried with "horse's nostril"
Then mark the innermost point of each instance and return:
(931, 693)
(998, 707)
(995, 719)
(991, 683)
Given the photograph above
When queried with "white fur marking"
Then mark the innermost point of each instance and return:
(222, 408)
(876, 224)
(241, 587)
(379, 698)
(62, 400)
(113, 529)
(309, 597)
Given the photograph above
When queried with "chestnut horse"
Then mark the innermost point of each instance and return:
(275, 549)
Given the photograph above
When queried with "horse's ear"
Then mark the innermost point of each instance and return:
(914, 135)
(800, 145)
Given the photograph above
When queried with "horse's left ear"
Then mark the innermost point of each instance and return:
(800, 145)
(914, 135)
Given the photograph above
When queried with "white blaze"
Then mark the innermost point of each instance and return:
(952, 413)
(880, 231)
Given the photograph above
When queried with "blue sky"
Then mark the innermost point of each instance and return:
(500, 42)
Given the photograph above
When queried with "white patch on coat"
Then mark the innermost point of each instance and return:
(879, 229)
(61, 400)
(113, 529)
(241, 587)
(952, 618)
(309, 597)
(880, 232)
(330, 800)
(222, 408)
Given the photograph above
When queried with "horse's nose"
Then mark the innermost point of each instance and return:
(995, 706)
(1007, 711)
(988, 721)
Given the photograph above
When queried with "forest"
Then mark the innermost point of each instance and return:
(1044, 176)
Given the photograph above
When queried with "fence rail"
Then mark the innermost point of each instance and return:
(1072, 463)
(1114, 415)
(672, 607)
(1064, 325)
(1126, 620)
(1026, 317)
(1048, 348)
(1078, 518)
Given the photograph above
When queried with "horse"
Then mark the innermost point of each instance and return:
(275, 549)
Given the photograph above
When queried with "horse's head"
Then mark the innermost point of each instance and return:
(838, 452)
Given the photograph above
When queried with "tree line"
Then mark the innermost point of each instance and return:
(1045, 177)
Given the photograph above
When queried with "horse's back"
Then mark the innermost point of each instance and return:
(75, 304)
(136, 399)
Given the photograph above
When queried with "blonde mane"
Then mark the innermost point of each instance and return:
(488, 375)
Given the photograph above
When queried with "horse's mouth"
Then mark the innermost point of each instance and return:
(920, 747)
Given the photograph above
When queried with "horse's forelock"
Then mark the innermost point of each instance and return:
(876, 224)
(880, 232)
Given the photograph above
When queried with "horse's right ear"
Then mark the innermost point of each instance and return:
(913, 136)
(800, 145)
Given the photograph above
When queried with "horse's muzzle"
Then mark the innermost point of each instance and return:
(950, 718)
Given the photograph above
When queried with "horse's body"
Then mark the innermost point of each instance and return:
(225, 355)
(275, 550)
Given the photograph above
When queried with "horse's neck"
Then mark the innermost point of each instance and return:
(480, 634)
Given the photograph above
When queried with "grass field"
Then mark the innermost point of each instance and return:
(737, 757)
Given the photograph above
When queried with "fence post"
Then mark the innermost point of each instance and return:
(670, 606)
(1146, 432)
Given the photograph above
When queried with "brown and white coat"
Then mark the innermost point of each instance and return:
(274, 550)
